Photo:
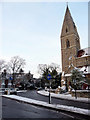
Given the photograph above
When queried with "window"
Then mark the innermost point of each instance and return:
(66, 30)
(67, 43)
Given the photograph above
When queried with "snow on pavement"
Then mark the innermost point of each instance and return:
(52, 106)
(62, 96)
(21, 91)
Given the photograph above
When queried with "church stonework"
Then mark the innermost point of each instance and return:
(71, 52)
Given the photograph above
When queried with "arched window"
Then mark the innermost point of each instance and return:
(66, 30)
(67, 43)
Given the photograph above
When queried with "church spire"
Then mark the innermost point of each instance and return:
(70, 43)
(68, 24)
(67, 4)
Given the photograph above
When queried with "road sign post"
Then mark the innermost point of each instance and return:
(9, 82)
(49, 78)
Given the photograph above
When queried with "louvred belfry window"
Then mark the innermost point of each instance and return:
(66, 30)
(67, 43)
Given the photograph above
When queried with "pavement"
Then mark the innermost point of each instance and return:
(65, 96)
(57, 107)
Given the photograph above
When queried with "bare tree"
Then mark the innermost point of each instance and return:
(53, 69)
(2, 65)
(16, 63)
(42, 68)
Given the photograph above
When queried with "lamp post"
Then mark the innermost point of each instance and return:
(75, 88)
(49, 92)
(3, 80)
(66, 85)
(49, 78)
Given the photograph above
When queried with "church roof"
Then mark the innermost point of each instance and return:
(68, 24)
(68, 14)
(85, 69)
(84, 52)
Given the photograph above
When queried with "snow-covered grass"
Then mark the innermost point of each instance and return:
(50, 106)
(63, 96)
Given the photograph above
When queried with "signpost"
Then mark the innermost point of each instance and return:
(10, 78)
(49, 78)
(9, 82)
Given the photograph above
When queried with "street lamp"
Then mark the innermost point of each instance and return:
(3, 80)
(74, 81)
(49, 78)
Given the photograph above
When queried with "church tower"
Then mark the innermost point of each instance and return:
(70, 42)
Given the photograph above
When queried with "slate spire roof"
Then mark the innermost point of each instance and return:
(69, 26)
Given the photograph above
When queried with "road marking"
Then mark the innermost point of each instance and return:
(67, 115)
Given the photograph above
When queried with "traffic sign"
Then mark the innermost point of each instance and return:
(10, 78)
(49, 77)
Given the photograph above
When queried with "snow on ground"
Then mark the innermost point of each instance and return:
(63, 96)
(52, 106)
(22, 91)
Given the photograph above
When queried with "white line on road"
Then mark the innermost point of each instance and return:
(67, 115)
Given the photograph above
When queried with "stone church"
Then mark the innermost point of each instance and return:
(72, 54)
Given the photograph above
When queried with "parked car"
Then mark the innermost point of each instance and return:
(10, 91)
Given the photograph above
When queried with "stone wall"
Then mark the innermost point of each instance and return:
(83, 61)
(81, 93)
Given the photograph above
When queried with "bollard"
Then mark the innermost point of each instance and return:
(49, 98)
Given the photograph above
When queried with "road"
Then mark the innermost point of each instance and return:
(0, 107)
(14, 109)
(34, 95)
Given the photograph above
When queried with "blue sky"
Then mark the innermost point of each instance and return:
(32, 30)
